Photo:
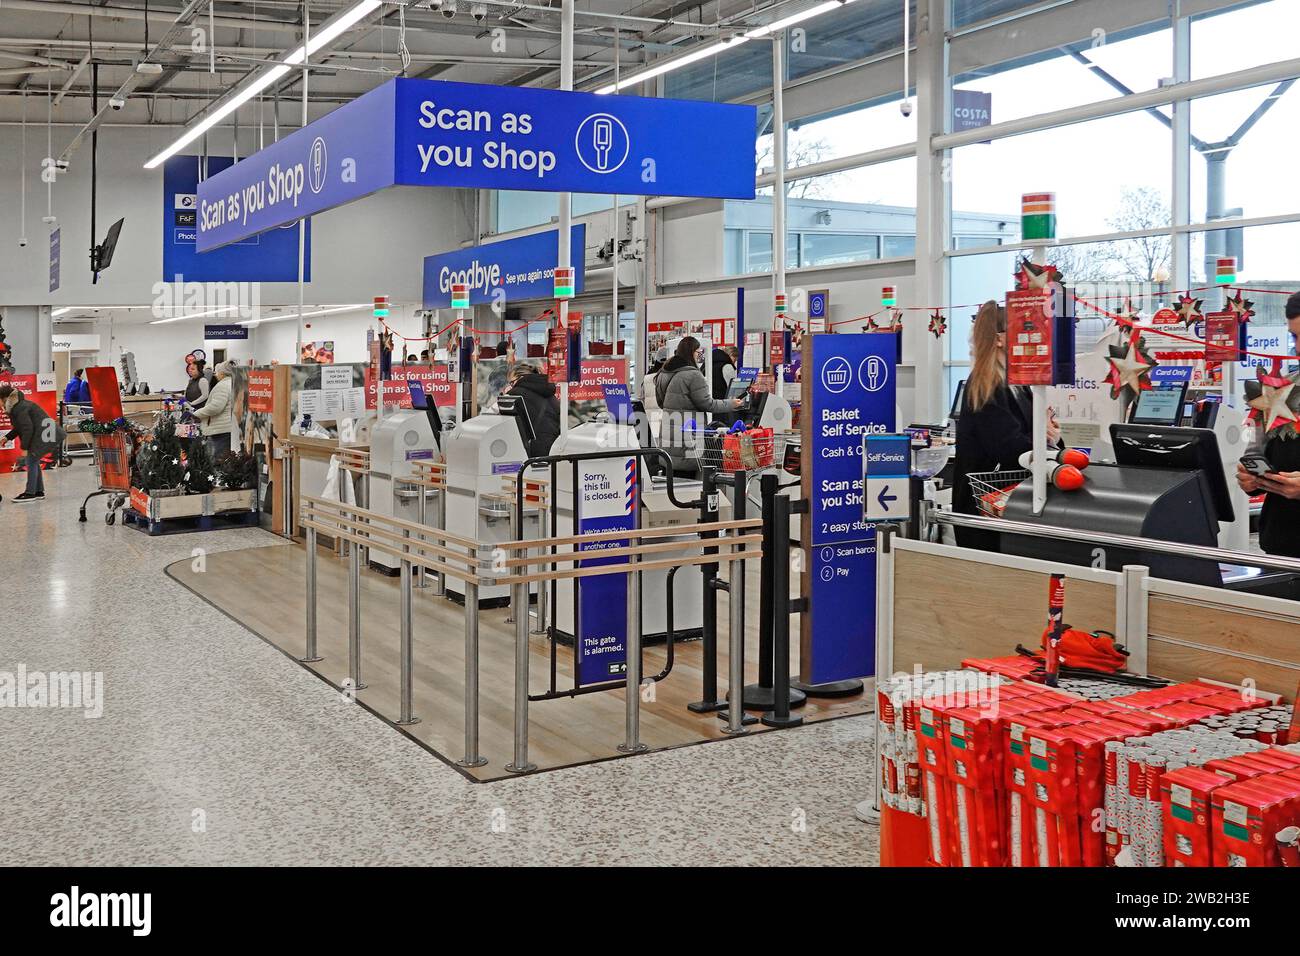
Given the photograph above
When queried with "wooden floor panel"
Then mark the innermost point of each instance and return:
(263, 589)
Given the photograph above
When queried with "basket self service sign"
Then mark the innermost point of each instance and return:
(607, 501)
(412, 132)
(848, 395)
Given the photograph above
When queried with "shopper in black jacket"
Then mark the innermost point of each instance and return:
(1279, 522)
(37, 433)
(527, 382)
(994, 426)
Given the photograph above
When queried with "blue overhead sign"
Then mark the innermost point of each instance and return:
(269, 257)
(522, 268)
(852, 390)
(412, 132)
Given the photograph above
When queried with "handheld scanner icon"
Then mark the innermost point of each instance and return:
(602, 133)
(873, 373)
(316, 162)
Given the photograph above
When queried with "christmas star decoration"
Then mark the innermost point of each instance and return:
(1128, 316)
(1274, 399)
(1031, 275)
(895, 320)
(1239, 307)
(1130, 367)
(1189, 309)
(938, 324)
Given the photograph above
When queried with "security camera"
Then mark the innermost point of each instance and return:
(905, 107)
(62, 165)
(446, 7)
(117, 102)
(22, 242)
(478, 11)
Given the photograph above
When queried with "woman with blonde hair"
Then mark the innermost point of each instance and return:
(994, 425)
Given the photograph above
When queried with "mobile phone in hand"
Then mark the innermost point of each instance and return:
(1257, 465)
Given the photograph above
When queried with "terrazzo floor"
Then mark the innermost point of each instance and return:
(214, 748)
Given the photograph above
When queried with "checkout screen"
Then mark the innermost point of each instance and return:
(1159, 406)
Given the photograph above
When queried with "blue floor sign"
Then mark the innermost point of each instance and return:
(851, 387)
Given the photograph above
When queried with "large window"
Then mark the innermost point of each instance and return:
(1246, 35)
(1110, 175)
(1091, 68)
(1239, 164)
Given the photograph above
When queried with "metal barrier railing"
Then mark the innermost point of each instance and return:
(412, 545)
(513, 564)
(628, 557)
(1253, 559)
(428, 476)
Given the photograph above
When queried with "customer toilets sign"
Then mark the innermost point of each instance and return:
(848, 394)
(412, 132)
(607, 500)
(511, 270)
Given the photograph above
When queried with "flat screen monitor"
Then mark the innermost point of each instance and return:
(1160, 406)
(955, 411)
(420, 400)
(109, 245)
(739, 388)
(1182, 449)
(515, 407)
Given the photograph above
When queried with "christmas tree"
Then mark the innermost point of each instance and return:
(237, 470)
(200, 472)
(160, 458)
(6, 357)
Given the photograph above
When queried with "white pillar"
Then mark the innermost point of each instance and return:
(565, 199)
(778, 163)
(933, 203)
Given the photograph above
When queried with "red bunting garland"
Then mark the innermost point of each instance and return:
(938, 324)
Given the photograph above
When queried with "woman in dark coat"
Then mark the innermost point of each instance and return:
(993, 429)
(37, 433)
(527, 382)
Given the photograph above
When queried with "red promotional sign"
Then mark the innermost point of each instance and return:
(1166, 317)
(776, 353)
(1222, 337)
(1029, 337)
(436, 382)
(9, 451)
(597, 373)
(261, 391)
(105, 396)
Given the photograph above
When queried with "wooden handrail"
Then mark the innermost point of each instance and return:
(568, 557)
(661, 532)
(443, 534)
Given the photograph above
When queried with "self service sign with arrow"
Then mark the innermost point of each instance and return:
(886, 476)
(848, 400)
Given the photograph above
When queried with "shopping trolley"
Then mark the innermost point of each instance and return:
(737, 451)
(113, 452)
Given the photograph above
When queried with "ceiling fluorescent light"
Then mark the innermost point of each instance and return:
(58, 312)
(306, 315)
(713, 49)
(196, 315)
(329, 31)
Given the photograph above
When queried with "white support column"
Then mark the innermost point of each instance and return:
(1182, 113)
(778, 162)
(933, 201)
(302, 223)
(565, 199)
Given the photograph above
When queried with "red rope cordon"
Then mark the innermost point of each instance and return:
(1158, 330)
(431, 337)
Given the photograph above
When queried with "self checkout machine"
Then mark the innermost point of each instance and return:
(397, 440)
(760, 409)
(480, 453)
(656, 511)
(1167, 483)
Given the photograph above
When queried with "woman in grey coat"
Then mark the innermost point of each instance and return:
(38, 434)
(682, 393)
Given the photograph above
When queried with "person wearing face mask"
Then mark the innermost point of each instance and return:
(1279, 522)
(994, 427)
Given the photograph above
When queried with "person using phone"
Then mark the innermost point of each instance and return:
(994, 427)
(1279, 522)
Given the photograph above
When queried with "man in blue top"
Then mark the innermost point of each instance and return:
(78, 390)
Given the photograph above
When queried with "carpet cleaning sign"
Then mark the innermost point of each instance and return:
(412, 132)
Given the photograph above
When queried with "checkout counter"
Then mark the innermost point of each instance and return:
(397, 440)
(1167, 483)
